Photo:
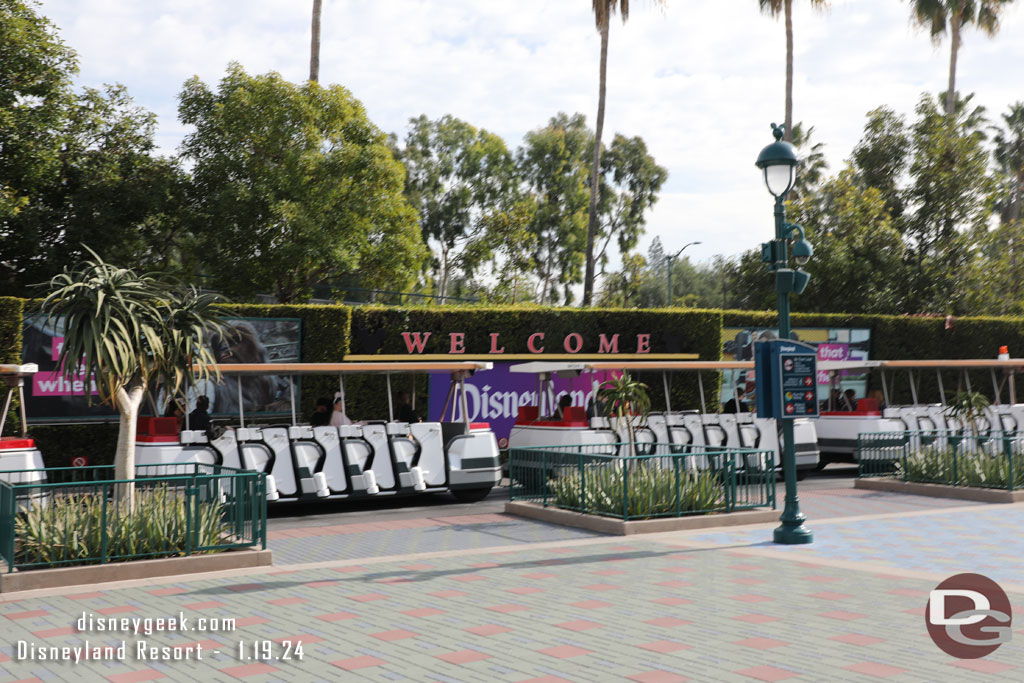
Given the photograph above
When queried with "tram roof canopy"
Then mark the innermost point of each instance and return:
(346, 368)
(19, 370)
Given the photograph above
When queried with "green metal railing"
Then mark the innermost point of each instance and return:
(989, 459)
(661, 480)
(72, 516)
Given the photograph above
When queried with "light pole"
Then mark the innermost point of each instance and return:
(668, 274)
(778, 162)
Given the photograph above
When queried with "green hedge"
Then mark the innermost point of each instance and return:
(896, 337)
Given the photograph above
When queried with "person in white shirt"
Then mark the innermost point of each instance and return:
(338, 416)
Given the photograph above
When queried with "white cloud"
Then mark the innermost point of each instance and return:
(699, 81)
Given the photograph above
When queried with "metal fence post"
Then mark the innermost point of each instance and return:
(956, 469)
(625, 491)
(544, 475)
(679, 491)
(1008, 451)
(583, 484)
(104, 549)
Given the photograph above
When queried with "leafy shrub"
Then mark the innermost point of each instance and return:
(652, 490)
(69, 527)
(955, 467)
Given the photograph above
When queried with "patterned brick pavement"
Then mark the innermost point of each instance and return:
(667, 607)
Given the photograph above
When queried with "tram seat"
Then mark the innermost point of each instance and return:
(574, 414)
(157, 429)
(527, 414)
(867, 405)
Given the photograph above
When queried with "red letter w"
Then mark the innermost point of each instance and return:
(415, 341)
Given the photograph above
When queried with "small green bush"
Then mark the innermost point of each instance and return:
(652, 490)
(68, 528)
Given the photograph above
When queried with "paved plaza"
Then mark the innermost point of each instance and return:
(488, 597)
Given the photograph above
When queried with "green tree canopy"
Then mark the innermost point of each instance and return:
(293, 185)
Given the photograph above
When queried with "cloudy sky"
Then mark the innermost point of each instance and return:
(699, 80)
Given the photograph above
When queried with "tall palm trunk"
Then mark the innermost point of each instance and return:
(954, 30)
(314, 44)
(788, 133)
(595, 172)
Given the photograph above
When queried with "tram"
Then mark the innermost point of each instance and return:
(376, 458)
(20, 460)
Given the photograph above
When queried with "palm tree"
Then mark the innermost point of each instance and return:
(812, 165)
(785, 7)
(603, 11)
(127, 331)
(314, 46)
(1009, 154)
(935, 14)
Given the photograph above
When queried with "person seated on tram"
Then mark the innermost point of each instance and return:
(736, 404)
(879, 398)
(405, 412)
(338, 416)
(849, 402)
(563, 403)
(199, 419)
(322, 413)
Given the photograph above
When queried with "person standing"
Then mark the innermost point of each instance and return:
(405, 412)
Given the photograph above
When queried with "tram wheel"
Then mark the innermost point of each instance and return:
(471, 495)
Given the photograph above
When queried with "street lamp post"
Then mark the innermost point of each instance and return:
(778, 162)
(670, 260)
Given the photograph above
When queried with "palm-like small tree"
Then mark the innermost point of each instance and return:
(625, 398)
(127, 331)
(968, 407)
(785, 8)
(935, 15)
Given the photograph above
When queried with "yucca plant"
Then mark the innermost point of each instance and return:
(625, 398)
(968, 407)
(957, 466)
(125, 331)
(70, 527)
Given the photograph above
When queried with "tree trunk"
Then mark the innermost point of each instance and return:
(595, 172)
(128, 402)
(314, 43)
(788, 133)
(954, 32)
(442, 284)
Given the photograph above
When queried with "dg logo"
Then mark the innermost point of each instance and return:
(968, 616)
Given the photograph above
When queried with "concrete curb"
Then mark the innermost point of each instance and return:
(126, 571)
(941, 491)
(607, 525)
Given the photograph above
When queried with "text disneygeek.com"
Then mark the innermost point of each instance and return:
(144, 650)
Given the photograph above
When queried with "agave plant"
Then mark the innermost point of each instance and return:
(625, 398)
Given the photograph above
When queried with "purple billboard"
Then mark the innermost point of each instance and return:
(495, 396)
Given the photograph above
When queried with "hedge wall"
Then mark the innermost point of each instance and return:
(913, 337)
(378, 330)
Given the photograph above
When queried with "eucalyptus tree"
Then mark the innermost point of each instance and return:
(937, 15)
(785, 8)
(125, 331)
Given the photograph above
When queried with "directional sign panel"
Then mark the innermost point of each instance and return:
(797, 378)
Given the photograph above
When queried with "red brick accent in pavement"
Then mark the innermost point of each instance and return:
(119, 609)
(524, 590)
(756, 618)
(204, 605)
(843, 615)
(668, 622)
(249, 670)
(85, 596)
(751, 597)
(856, 639)
(657, 677)
(463, 656)
(664, 646)
(245, 587)
(590, 604)
(875, 669)
(27, 615)
(166, 591)
(354, 663)
(601, 587)
(53, 632)
(136, 676)
(564, 651)
(336, 616)
(251, 621)
(579, 625)
(767, 673)
(488, 630)
(504, 609)
(540, 575)
(984, 666)
(831, 595)
(671, 602)
(448, 594)
(284, 602)
(304, 638)
(423, 612)
(761, 643)
(397, 634)
(367, 597)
